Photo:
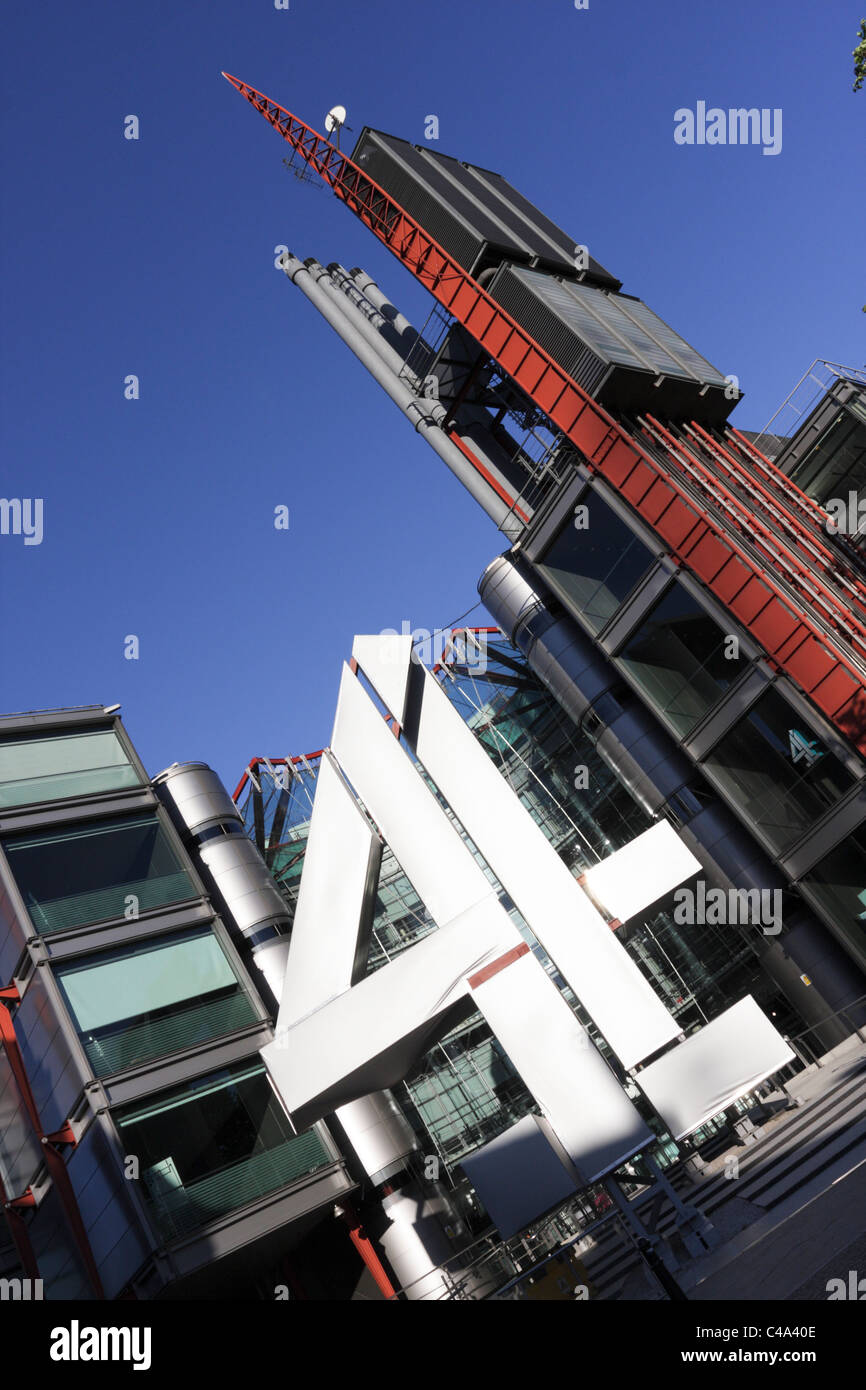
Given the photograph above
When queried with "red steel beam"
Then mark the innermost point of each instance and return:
(793, 641)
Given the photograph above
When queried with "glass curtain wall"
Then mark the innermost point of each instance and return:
(97, 871)
(158, 996)
(56, 766)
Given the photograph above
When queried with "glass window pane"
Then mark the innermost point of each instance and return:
(62, 765)
(839, 883)
(69, 878)
(153, 998)
(593, 569)
(679, 658)
(781, 773)
(214, 1144)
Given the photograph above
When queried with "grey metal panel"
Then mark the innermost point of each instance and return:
(148, 924)
(693, 363)
(472, 212)
(518, 1176)
(51, 1066)
(581, 360)
(541, 233)
(119, 1242)
(20, 1150)
(164, 1072)
(703, 1075)
(56, 718)
(78, 810)
(15, 924)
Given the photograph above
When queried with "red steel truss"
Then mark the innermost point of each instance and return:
(778, 615)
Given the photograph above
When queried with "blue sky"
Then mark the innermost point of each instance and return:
(156, 257)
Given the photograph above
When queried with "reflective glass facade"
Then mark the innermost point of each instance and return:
(63, 765)
(779, 770)
(839, 883)
(595, 561)
(682, 660)
(213, 1145)
(159, 996)
(96, 871)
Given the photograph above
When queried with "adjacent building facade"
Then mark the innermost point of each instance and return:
(143, 1152)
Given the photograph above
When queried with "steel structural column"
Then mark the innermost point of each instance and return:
(793, 641)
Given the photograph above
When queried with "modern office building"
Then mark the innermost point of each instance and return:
(679, 593)
(680, 648)
(143, 1152)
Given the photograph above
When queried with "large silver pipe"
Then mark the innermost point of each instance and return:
(406, 332)
(235, 873)
(347, 303)
(422, 413)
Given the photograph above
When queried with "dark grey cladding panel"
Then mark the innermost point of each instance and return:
(53, 1074)
(473, 213)
(115, 1231)
(20, 1150)
(615, 347)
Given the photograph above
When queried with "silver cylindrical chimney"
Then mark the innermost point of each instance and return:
(242, 887)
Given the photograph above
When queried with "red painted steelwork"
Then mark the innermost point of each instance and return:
(495, 966)
(53, 1158)
(365, 1249)
(792, 639)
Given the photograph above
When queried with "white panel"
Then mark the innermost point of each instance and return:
(341, 858)
(711, 1069)
(367, 1038)
(641, 872)
(588, 1110)
(385, 661)
(624, 1006)
(518, 1176)
(430, 851)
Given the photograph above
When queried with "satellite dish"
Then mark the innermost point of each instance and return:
(335, 118)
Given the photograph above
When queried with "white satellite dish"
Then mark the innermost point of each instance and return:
(335, 119)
